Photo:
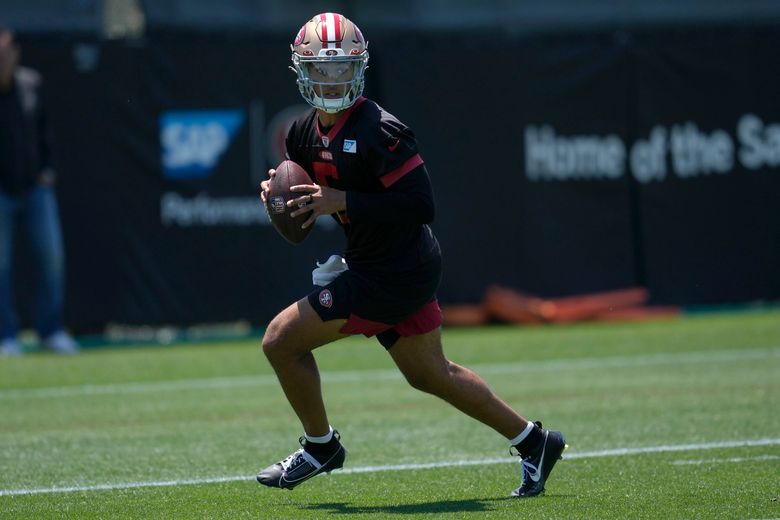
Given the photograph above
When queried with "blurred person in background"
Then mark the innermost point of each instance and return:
(28, 204)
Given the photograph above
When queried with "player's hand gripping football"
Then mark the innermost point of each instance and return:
(265, 185)
(320, 200)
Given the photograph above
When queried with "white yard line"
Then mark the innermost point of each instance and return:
(618, 452)
(724, 459)
(676, 358)
(403, 467)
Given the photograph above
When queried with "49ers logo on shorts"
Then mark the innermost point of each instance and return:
(326, 299)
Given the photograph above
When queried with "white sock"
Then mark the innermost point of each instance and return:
(320, 440)
(523, 434)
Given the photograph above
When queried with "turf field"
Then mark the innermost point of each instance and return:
(672, 419)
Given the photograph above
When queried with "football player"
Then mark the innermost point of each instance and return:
(368, 174)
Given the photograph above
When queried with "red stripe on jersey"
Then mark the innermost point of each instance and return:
(337, 127)
(391, 178)
(337, 29)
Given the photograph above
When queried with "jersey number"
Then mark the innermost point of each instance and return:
(323, 172)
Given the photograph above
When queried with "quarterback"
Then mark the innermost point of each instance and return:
(367, 173)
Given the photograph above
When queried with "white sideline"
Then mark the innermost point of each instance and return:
(403, 467)
(676, 358)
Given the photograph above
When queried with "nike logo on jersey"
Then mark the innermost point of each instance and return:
(350, 146)
(393, 146)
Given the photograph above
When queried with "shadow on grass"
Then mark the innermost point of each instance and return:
(473, 505)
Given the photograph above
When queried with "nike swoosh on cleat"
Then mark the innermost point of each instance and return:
(536, 476)
(293, 477)
(393, 146)
(308, 475)
(283, 480)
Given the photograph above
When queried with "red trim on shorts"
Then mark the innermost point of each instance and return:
(425, 320)
(357, 325)
(391, 178)
(428, 318)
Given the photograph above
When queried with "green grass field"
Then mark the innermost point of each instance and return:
(672, 419)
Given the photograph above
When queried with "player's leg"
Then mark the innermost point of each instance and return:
(288, 344)
(421, 360)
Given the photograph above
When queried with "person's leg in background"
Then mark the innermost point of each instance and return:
(43, 229)
(9, 345)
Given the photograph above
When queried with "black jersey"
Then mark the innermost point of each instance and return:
(373, 157)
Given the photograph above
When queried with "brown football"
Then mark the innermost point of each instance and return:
(288, 174)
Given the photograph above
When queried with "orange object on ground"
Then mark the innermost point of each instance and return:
(512, 306)
(516, 307)
(576, 308)
(464, 315)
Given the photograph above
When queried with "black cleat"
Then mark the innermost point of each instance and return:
(536, 467)
(301, 465)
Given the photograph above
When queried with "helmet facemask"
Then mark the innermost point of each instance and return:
(330, 58)
(330, 85)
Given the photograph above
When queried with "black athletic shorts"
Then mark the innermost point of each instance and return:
(387, 306)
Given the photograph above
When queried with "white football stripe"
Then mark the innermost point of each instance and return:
(404, 467)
